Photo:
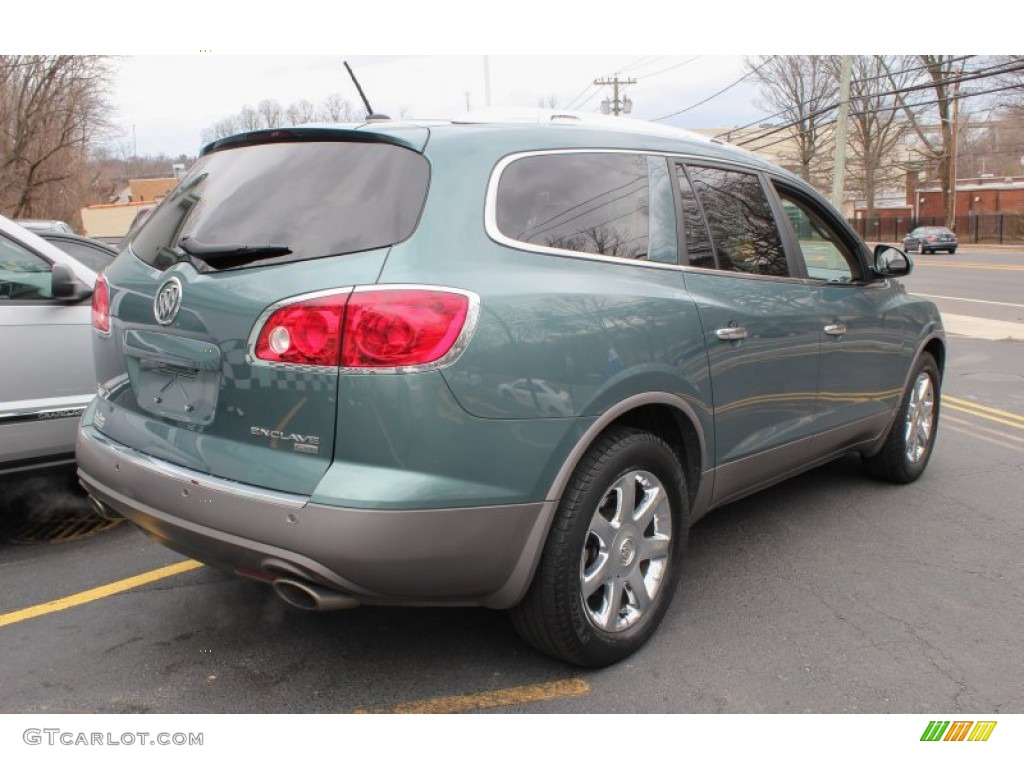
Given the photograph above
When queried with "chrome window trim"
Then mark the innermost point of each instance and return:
(491, 213)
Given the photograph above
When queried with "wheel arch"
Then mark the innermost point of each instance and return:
(672, 418)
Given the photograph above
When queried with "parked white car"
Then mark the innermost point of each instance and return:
(47, 376)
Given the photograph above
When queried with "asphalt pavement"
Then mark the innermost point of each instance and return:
(830, 592)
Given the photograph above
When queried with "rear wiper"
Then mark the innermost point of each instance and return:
(230, 254)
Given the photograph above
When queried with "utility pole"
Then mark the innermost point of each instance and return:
(487, 82)
(616, 106)
(952, 153)
(839, 176)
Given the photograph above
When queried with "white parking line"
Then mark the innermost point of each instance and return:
(974, 301)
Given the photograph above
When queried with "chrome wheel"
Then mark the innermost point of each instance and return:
(626, 552)
(919, 420)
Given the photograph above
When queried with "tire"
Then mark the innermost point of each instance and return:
(952, 251)
(911, 438)
(605, 581)
(921, 249)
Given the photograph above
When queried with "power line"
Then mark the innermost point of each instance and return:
(669, 69)
(978, 74)
(781, 112)
(718, 93)
(753, 140)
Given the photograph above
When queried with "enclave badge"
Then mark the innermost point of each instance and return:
(167, 301)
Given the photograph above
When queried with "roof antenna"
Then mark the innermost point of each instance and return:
(370, 114)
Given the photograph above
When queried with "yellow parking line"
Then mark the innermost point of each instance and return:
(98, 593)
(985, 412)
(505, 697)
(987, 430)
(976, 436)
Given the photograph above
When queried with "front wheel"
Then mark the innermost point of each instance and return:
(609, 567)
(920, 249)
(908, 447)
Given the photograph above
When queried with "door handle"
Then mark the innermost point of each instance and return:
(836, 329)
(731, 333)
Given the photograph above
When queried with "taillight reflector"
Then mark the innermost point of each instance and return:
(101, 305)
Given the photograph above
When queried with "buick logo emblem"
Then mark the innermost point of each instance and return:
(167, 301)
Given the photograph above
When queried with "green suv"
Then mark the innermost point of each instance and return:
(491, 364)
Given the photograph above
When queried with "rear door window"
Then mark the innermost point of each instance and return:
(740, 220)
(310, 199)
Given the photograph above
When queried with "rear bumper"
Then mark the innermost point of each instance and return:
(466, 556)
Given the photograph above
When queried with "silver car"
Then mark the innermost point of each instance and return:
(47, 377)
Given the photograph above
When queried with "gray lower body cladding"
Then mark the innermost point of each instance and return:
(465, 556)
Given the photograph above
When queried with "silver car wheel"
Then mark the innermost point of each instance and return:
(626, 552)
(920, 413)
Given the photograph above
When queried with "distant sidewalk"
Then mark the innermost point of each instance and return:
(982, 328)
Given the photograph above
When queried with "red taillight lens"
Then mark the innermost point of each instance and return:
(305, 333)
(394, 328)
(101, 305)
(932, 238)
(385, 328)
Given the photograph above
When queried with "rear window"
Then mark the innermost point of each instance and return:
(589, 202)
(313, 198)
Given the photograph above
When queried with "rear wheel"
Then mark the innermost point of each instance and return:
(911, 438)
(920, 249)
(952, 251)
(608, 570)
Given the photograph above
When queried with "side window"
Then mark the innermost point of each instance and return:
(740, 219)
(94, 257)
(698, 243)
(595, 203)
(825, 255)
(23, 275)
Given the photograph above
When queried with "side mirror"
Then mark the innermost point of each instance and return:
(891, 262)
(66, 287)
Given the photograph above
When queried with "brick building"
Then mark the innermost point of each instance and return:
(974, 197)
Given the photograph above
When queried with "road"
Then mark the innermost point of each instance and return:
(973, 283)
(828, 593)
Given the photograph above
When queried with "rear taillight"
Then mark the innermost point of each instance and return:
(401, 327)
(372, 329)
(304, 332)
(101, 305)
(932, 238)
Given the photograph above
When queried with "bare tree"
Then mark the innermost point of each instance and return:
(336, 109)
(51, 109)
(301, 112)
(877, 127)
(802, 92)
(269, 113)
(941, 75)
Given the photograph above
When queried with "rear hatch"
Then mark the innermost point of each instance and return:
(259, 223)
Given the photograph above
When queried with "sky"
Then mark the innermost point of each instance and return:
(181, 67)
(170, 100)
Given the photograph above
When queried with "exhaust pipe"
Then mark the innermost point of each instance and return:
(312, 597)
(101, 509)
